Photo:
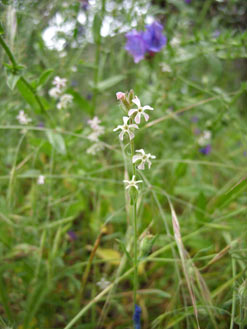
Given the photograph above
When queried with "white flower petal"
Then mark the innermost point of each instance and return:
(138, 118)
(141, 151)
(125, 120)
(118, 127)
(147, 107)
(131, 135)
(136, 101)
(149, 163)
(146, 116)
(136, 158)
(133, 126)
(121, 135)
(131, 111)
(141, 166)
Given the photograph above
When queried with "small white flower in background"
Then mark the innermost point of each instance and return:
(132, 183)
(41, 180)
(94, 123)
(204, 139)
(165, 68)
(64, 101)
(139, 111)
(95, 148)
(97, 131)
(103, 283)
(23, 118)
(60, 83)
(126, 128)
(54, 92)
(143, 158)
(94, 136)
(175, 42)
(120, 95)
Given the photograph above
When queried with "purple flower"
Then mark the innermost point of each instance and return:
(187, 1)
(137, 317)
(194, 119)
(216, 34)
(197, 131)
(206, 149)
(72, 235)
(84, 5)
(135, 45)
(153, 37)
(145, 42)
(245, 153)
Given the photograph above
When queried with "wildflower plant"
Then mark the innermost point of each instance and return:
(133, 184)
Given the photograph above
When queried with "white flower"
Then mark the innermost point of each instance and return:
(204, 138)
(94, 123)
(59, 83)
(165, 68)
(139, 111)
(132, 183)
(65, 100)
(54, 92)
(97, 129)
(95, 148)
(143, 157)
(23, 118)
(94, 136)
(41, 180)
(126, 128)
(103, 283)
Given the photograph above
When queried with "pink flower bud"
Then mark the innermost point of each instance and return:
(120, 95)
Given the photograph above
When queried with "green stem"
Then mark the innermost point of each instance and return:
(8, 52)
(97, 62)
(233, 295)
(135, 283)
(15, 69)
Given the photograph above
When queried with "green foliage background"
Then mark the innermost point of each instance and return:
(201, 72)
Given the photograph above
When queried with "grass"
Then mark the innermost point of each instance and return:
(184, 250)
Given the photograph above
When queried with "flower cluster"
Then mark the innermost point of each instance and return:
(41, 180)
(97, 130)
(204, 141)
(23, 118)
(141, 43)
(134, 114)
(57, 93)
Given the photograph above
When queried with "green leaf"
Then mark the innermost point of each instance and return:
(44, 77)
(57, 141)
(12, 80)
(97, 22)
(228, 196)
(122, 246)
(81, 101)
(1, 28)
(28, 95)
(108, 83)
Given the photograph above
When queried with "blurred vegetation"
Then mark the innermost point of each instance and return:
(47, 232)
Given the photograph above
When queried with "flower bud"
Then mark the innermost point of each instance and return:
(120, 96)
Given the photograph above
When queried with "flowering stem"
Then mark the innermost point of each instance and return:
(135, 281)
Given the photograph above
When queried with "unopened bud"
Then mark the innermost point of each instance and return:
(120, 96)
